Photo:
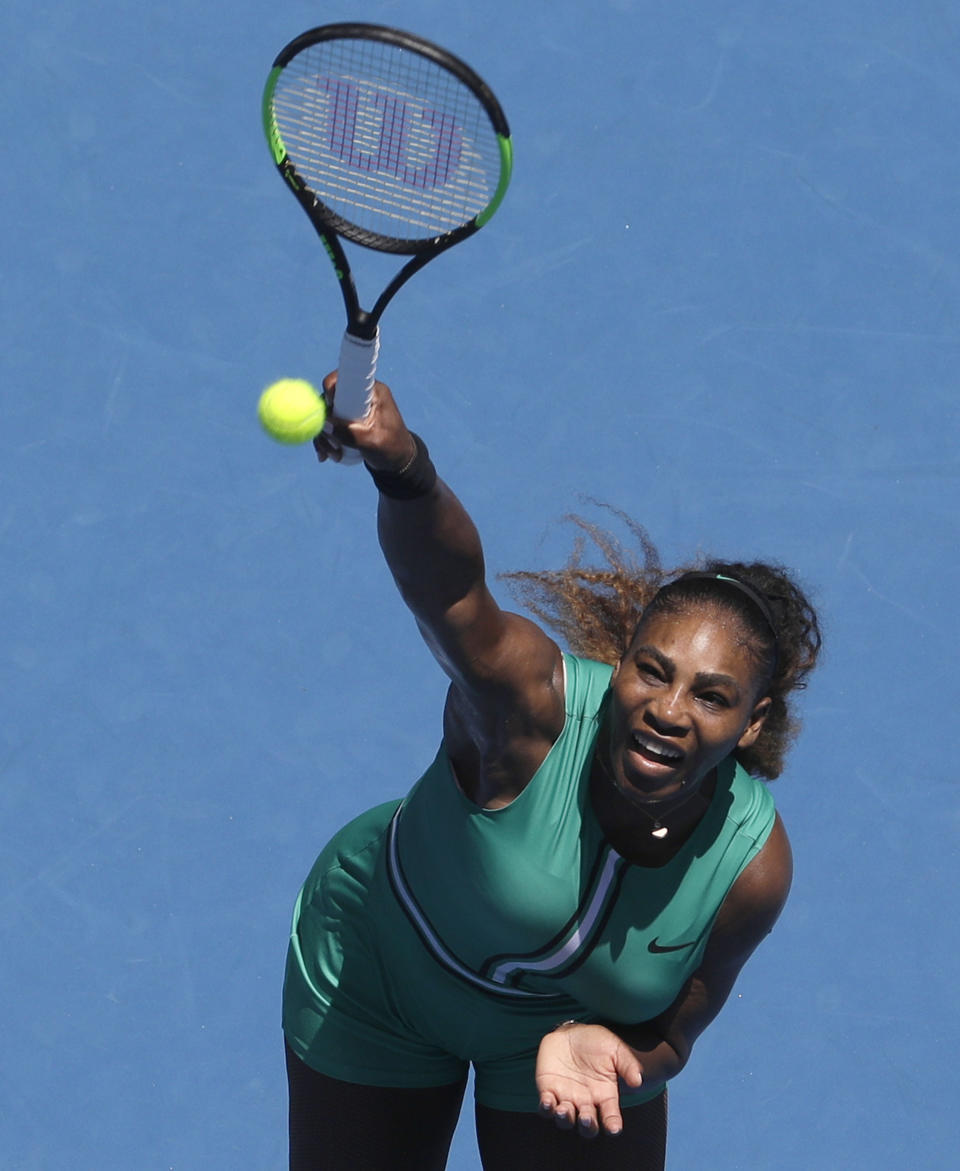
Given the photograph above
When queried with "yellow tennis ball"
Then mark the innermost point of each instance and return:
(291, 411)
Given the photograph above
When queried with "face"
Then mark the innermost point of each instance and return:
(685, 695)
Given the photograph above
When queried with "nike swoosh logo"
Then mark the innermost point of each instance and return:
(662, 949)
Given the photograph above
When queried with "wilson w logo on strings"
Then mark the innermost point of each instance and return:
(373, 130)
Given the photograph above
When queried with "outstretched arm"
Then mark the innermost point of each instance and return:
(434, 553)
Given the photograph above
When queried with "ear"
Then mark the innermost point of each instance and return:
(755, 724)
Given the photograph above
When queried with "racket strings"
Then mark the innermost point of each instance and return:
(390, 141)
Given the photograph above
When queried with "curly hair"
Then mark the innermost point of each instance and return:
(596, 611)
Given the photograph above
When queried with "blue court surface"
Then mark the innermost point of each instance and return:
(723, 294)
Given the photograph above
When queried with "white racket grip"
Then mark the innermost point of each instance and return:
(356, 372)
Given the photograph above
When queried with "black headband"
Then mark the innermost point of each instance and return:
(759, 601)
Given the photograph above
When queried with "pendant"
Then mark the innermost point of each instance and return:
(659, 831)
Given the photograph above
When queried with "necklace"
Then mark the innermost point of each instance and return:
(659, 830)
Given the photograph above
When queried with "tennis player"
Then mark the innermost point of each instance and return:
(565, 897)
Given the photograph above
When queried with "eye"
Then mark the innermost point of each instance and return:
(649, 670)
(714, 699)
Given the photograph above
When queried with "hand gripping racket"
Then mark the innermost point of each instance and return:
(390, 142)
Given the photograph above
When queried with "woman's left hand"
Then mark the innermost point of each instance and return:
(579, 1069)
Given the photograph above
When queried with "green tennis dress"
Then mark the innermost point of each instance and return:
(432, 933)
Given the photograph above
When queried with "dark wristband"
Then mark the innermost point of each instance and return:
(416, 478)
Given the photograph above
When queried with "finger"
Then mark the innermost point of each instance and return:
(564, 1115)
(587, 1123)
(611, 1117)
(630, 1071)
(327, 448)
(548, 1103)
(334, 439)
(337, 431)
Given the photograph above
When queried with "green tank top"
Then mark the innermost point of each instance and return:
(531, 902)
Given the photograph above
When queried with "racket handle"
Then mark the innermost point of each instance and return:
(356, 371)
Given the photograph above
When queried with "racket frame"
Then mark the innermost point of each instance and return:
(329, 226)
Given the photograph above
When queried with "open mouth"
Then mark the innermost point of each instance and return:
(655, 751)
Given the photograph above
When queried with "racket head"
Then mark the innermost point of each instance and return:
(385, 138)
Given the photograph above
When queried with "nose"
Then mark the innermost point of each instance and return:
(666, 714)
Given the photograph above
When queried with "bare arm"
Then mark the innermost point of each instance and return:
(747, 916)
(498, 661)
(656, 1051)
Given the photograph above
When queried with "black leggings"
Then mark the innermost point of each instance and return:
(339, 1126)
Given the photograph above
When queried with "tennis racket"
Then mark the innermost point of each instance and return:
(390, 142)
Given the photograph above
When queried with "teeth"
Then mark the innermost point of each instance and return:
(657, 748)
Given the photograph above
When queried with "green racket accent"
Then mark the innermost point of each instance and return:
(270, 128)
(506, 169)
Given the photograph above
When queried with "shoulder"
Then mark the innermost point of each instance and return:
(754, 902)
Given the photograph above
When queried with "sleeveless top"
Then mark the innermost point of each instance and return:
(530, 902)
